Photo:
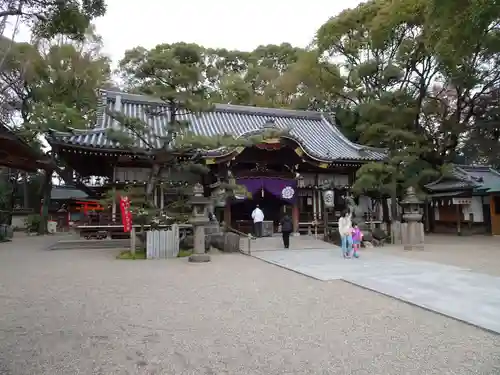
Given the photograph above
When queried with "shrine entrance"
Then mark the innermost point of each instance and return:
(274, 197)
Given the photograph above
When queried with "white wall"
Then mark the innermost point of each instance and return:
(142, 174)
(131, 174)
(436, 212)
(18, 221)
(335, 179)
(475, 208)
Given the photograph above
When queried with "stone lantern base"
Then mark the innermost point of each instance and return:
(199, 220)
(412, 233)
(199, 258)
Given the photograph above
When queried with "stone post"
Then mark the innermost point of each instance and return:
(199, 220)
(412, 230)
(295, 218)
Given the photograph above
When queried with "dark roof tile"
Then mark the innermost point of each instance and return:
(312, 130)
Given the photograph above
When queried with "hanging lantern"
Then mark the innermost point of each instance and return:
(329, 198)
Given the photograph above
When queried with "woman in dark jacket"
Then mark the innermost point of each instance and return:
(286, 229)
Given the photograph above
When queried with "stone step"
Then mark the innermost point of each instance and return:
(276, 243)
(90, 244)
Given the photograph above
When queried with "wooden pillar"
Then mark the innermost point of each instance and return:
(227, 213)
(113, 205)
(459, 219)
(319, 200)
(295, 216)
(162, 197)
(427, 210)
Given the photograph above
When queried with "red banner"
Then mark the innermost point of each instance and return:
(126, 214)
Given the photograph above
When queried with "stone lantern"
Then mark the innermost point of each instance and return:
(199, 220)
(412, 230)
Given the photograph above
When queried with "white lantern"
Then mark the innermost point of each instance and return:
(329, 198)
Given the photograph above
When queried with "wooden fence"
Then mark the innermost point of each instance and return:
(163, 244)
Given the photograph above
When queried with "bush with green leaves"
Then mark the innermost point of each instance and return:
(32, 223)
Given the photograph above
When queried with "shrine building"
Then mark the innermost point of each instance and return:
(281, 174)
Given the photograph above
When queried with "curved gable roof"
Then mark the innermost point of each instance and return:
(319, 138)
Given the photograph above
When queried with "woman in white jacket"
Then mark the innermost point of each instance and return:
(345, 230)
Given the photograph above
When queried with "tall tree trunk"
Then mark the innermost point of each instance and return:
(25, 191)
(394, 199)
(13, 176)
(150, 186)
(45, 199)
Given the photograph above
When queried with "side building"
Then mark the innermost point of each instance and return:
(285, 173)
(465, 201)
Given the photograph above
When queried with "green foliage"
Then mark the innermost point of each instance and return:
(416, 76)
(280, 76)
(183, 253)
(51, 84)
(183, 78)
(32, 223)
(127, 255)
(54, 84)
(52, 17)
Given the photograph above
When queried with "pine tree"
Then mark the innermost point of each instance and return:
(178, 75)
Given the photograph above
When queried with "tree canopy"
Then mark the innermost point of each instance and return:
(186, 79)
(413, 85)
(398, 75)
(48, 18)
(420, 78)
(50, 83)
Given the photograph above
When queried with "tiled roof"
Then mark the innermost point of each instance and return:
(464, 177)
(318, 137)
(67, 192)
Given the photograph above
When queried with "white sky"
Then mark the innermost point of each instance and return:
(216, 23)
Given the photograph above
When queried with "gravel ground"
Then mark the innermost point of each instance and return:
(479, 253)
(83, 312)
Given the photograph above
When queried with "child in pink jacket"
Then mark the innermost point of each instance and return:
(357, 237)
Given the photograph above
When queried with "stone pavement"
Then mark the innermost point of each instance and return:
(456, 292)
(478, 253)
(276, 243)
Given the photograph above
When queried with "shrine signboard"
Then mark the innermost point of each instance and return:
(462, 201)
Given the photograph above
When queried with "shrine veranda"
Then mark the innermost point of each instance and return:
(283, 174)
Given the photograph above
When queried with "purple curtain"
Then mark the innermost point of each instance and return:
(281, 188)
(253, 185)
(285, 189)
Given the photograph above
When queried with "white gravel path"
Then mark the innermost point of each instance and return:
(83, 312)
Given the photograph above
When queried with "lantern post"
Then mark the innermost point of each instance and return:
(199, 220)
(412, 230)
